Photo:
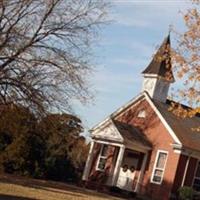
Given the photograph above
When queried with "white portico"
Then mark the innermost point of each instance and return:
(119, 144)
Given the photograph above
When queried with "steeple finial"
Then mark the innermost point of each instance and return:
(161, 62)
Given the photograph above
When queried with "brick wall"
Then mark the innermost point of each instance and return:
(158, 135)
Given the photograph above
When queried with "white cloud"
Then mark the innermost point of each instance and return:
(129, 63)
(107, 82)
(126, 21)
(105, 77)
(146, 14)
(149, 2)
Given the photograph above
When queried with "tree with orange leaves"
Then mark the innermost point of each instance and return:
(186, 60)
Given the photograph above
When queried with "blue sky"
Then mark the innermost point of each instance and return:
(125, 49)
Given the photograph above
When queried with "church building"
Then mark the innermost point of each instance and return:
(143, 147)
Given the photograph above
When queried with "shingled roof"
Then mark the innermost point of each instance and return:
(131, 134)
(181, 127)
(161, 62)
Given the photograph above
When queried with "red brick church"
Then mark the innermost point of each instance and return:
(143, 135)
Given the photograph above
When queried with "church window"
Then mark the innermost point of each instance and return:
(159, 167)
(142, 114)
(101, 164)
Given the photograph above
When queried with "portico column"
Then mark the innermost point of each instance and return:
(118, 165)
(185, 170)
(88, 162)
(141, 174)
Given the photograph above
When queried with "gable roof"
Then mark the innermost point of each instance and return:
(181, 127)
(131, 133)
(122, 133)
(161, 62)
(141, 96)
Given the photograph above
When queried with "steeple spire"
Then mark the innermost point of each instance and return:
(158, 75)
(161, 62)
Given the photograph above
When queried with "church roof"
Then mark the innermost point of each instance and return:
(131, 134)
(161, 62)
(182, 127)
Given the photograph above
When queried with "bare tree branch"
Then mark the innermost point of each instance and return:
(45, 48)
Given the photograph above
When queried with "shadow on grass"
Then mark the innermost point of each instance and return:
(50, 186)
(9, 197)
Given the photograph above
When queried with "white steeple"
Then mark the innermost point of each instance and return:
(158, 75)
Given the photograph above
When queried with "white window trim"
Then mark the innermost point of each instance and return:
(154, 167)
(99, 157)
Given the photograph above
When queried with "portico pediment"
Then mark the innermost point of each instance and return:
(108, 131)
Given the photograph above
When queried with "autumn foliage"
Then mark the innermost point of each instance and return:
(186, 59)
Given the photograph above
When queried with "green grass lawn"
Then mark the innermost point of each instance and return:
(18, 188)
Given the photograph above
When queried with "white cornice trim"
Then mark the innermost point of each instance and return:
(146, 75)
(108, 142)
(187, 152)
(151, 75)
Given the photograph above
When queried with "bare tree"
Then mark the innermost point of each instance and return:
(45, 50)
